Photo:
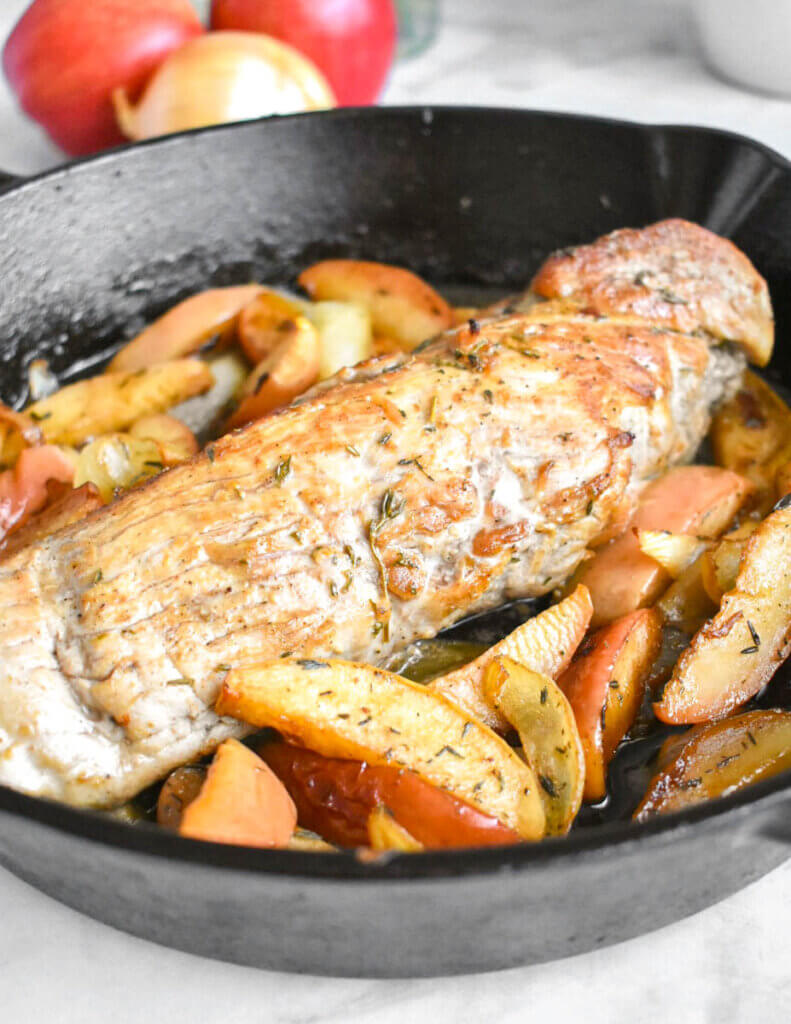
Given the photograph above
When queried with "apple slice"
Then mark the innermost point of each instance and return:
(605, 685)
(539, 711)
(112, 402)
(738, 651)
(345, 710)
(184, 328)
(783, 480)
(402, 305)
(699, 500)
(241, 801)
(544, 644)
(291, 368)
(264, 322)
(717, 759)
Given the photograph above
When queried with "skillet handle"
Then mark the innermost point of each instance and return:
(7, 180)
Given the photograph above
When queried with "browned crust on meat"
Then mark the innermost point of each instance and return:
(672, 273)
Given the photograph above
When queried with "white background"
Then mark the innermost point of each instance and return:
(636, 59)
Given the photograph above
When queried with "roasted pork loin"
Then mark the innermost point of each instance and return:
(411, 491)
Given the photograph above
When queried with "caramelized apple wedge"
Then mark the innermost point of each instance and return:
(18, 430)
(605, 685)
(539, 711)
(289, 369)
(402, 305)
(266, 321)
(720, 758)
(184, 328)
(384, 833)
(751, 435)
(737, 652)
(544, 644)
(344, 710)
(700, 500)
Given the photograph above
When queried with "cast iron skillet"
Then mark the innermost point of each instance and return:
(475, 196)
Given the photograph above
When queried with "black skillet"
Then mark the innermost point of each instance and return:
(464, 196)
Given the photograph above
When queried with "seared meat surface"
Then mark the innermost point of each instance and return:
(410, 492)
(672, 273)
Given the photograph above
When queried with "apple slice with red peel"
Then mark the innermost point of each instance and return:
(544, 644)
(605, 685)
(264, 323)
(290, 368)
(686, 604)
(737, 652)
(700, 500)
(184, 328)
(717, 759)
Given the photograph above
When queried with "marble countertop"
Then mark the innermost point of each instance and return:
(636, 59)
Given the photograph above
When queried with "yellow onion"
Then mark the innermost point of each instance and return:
(220, 77)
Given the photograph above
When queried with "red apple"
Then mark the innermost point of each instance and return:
(351, 41)
(65, 57)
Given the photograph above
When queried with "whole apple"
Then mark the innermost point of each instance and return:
(351, 41)
(64, 58)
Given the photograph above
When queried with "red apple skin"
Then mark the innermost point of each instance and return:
(64, 58)
(351, 41)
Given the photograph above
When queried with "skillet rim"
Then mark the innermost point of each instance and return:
(152, 840)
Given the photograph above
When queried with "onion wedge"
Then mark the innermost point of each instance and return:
(539, 711)
(544, 644)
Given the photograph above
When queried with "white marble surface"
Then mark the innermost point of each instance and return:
(636, 59)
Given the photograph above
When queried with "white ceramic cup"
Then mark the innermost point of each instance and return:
(748, 41)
